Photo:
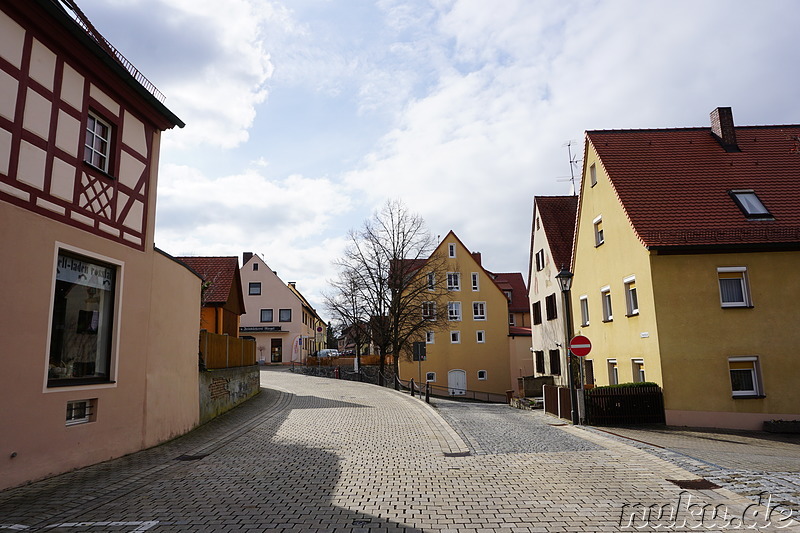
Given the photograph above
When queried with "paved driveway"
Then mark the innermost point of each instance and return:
(313, 454)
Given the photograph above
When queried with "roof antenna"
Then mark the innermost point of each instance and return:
(573, 164)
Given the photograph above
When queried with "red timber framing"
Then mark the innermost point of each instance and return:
(54, 180)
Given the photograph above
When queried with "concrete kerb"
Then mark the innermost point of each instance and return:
(451, 443)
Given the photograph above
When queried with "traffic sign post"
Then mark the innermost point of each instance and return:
(580, 345)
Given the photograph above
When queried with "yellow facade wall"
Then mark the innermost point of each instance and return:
(468, 355)
(699, 335)
(595, 267)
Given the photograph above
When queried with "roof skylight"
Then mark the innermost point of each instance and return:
(750, 204)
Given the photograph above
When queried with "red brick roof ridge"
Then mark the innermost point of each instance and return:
(221, 268)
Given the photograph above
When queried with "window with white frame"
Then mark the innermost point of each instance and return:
(430, 376)
(451, 249)
(637, 365)
(745, 376)
(605, 298)
(482, 375)
(454, 310)
(455, 337)
(97, 144)
(266, 315)
(599, 238)
(81, 330)
(285, 315)
(431, 281)
(540, 260)
(429, 310)
(478, 310)
(454, 281)
(593, 175)
(584, 300)
(733, 287)
(474, 276)
(613, 372)
(254, 288)
(429, 337)
(480, 336)
(81, 411)
(631, 296)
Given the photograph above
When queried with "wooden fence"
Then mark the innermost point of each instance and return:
(223, 351)
(557, 401)
(618, 406)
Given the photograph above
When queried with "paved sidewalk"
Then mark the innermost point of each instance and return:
(314, 454)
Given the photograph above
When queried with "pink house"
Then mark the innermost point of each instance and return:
(99, 333)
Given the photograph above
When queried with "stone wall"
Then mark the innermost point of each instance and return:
(224, 389)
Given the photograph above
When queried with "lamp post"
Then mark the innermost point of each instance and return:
(565, 281)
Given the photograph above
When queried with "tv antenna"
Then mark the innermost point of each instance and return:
(574, 162)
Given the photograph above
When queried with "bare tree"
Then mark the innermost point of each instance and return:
(390, 278)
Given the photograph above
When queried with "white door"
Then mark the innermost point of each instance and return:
(457, 382)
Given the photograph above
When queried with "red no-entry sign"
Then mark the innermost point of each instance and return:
(580, 345)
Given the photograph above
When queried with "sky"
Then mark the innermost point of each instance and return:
(303, 117)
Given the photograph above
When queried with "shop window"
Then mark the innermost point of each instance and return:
(81, 334)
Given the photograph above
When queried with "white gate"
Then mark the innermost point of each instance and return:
(457, 382)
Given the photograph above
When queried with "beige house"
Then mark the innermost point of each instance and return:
(95, 372)
(277, 316)
(551, 250)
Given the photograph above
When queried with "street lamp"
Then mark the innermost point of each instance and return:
(565, 282)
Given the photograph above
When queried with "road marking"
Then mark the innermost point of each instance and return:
(140, 526)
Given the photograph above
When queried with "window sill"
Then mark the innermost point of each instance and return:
(632, 314)
(736, 306)
(750, 397)
(585, 325)
(100, 170)
(77, 382)
(605, 320)
(598, 245)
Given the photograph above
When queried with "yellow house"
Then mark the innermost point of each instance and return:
(472, 353)
(685, 262)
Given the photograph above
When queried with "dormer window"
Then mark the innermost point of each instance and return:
(750, 204)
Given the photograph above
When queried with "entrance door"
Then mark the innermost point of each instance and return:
(276, 351)
(457, 382)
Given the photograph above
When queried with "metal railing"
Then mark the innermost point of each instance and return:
(452, 393)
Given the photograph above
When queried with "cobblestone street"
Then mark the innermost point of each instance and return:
(315, 454)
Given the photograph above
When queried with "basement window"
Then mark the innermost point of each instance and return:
(81, 412)
(750, 204)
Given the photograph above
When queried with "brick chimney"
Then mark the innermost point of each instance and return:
(246, 256)
(723, 130)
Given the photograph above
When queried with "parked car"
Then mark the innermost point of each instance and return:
(328, 353)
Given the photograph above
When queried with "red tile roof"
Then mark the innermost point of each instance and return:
(674, 184)
(220, 271)
(519, 331)
(557, 215)
(514, 282)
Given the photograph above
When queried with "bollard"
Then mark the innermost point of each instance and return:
(427, 392)
(411, 384)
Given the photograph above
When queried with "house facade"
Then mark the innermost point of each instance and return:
(472, 353)
(96, 373)
(552, 235)
(277, 316)
(687, 248)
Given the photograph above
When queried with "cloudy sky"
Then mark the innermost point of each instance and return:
(304, 116)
